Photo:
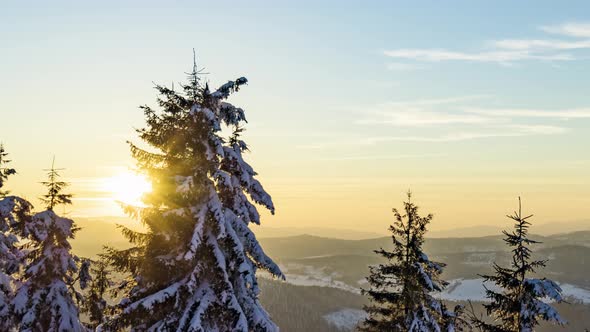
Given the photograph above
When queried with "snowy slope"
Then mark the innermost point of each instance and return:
(473, 289)
(457, 290)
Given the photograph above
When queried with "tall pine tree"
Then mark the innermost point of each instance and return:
(519, 305)
(194, 269)
(46, 299)
(401, 289)
(14, 212)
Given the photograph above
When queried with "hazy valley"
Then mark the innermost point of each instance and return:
(324, 275)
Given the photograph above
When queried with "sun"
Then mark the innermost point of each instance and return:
(127, 187)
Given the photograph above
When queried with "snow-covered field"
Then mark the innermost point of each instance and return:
(306, 275)
(458, 289)
(465, 289)
(321, 281)
(473, 289)
(345, 319)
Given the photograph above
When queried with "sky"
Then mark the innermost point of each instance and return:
(350, 104)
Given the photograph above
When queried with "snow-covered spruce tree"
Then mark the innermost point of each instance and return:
(46, 299)
(401, 289)
(195, 267)
(14, 211)
(520, 306)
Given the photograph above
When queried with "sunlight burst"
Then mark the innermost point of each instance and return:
(127, 187)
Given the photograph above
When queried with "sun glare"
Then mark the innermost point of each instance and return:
(127, 187)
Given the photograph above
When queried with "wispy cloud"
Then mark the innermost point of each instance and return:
(418, 113)
(523, 130)
(451, 119)
(404, 117)
(502, 57)
(578, 113)
(385, 157)
(509, 51)
(313, 146)
(437, 101)
(572, 29)
(507, 131)
(539, 45)
(399, 66)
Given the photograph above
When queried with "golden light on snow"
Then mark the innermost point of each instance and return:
(127, 187)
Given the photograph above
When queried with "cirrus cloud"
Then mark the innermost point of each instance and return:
(572, 29)
(509, 51)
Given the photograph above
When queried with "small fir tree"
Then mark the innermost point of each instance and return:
(55, 195)
(519, 305)
(401, 289)
(195, 267)
(46, 299)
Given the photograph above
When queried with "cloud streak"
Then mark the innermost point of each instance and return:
(422, 113)
(509, 51)
(539, 45)
(452, 120)
(416, 117)
(399, 66)
(579, 113)
(508, 131)
(572, 29)
(385, 157)
(502, 57)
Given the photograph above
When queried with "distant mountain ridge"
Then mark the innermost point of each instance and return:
(264, 231)
(546, 229)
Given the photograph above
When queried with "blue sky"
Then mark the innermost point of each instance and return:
(465, 102)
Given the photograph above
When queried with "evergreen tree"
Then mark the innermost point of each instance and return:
(401, 289)
(194, 269)
(520, 306)
(55, 188)
(5, 171)
(46, 299)
(14, 211)
(95, 305)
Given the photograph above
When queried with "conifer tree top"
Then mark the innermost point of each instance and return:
(55, 187)
(401, 289)
(5, 171)
(520, 304)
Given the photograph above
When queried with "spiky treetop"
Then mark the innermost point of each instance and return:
(195, 267)
(520, 306)
(55, 187)
(5, 172)
(401, 288)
